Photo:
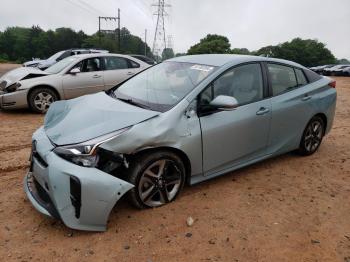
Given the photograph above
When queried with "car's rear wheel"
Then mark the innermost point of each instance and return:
(312, 136)
(40, 99)
(158, 179)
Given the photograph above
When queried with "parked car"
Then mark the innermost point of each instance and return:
(44, 64)
(319, 69)
(334, 71)
(186, 120)
(346, 71)
(71, 77)
(145, 59)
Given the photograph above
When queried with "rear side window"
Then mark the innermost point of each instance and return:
(282, 78)
(312, 76)
(300, 77)
(114, 63)
(133, 64)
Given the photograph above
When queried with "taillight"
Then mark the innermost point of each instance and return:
(333, 84)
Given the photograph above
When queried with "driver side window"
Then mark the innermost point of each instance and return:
(91, 65)
(245, 83)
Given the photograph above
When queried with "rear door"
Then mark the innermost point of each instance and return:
(293, 103)
(230, 138)
(88, 81)
(117, 69)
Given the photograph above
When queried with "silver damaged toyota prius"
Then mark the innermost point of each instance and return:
(180, 122)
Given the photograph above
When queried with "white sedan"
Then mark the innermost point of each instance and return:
(73, 76)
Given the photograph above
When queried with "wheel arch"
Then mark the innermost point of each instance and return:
(183, 156)
(324, 118)
(32, 89)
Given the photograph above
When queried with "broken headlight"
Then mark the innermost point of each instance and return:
(85, 154)
(13, 87)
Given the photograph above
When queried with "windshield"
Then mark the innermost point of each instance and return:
(55, 56)
(161, 87)
(59, 66)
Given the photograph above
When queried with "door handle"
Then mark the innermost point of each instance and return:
(96, 76)
(306, 98)
(262, 111)
(130, 73)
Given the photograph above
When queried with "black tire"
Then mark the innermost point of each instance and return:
(138, 177)
(312, 136)
(48, 97)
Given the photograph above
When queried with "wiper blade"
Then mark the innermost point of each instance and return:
(132, 102)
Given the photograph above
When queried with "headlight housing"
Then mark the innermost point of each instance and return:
(13, 87)
(85, 154)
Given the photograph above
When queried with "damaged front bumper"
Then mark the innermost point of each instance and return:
(14, 100)
(81, 197)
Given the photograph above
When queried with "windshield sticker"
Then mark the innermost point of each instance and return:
(202, 68)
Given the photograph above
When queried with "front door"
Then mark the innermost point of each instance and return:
(230, 138)
(89, 80)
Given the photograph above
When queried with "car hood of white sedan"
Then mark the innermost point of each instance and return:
(22, 73)
(87, 117)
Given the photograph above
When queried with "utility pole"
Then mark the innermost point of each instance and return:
(159, 42)
(145, 42)
(109, 18)
(119, 45)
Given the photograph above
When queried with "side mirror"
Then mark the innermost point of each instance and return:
(224, 103)
(74, 71)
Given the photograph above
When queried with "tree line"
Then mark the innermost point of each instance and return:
(307, 52)
(21, 44)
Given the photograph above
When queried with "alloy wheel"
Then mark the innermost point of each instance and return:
(42, 101)
(159, 183)
(313, 136)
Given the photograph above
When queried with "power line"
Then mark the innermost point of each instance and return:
(90, 7)
(81, 7)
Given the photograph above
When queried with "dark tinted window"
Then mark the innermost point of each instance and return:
(64, 55)
(90, 65)
(311, 76)
(244, 83)
(114, 63)
(300, 77)
(282, 78)
(134, 64)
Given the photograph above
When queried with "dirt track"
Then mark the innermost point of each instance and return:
(288, 208)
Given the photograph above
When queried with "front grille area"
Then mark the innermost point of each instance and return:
(37, 156)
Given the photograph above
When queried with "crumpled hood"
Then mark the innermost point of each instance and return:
(87, 117)
(20, 73)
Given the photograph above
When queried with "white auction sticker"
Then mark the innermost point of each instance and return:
(202, 68)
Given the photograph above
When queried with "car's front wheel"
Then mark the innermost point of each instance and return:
(41, 98)
(312, 136)
(158, 178)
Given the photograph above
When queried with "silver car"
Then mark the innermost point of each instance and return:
(183, 121)
(71, 77)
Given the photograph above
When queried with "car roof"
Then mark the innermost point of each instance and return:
(100, 54)
(222, 59)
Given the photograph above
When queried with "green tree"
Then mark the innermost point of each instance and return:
(211, 44)
(167, 53)
(307, 52)
(240, 51)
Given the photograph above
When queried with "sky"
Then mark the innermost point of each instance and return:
(247, 23)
